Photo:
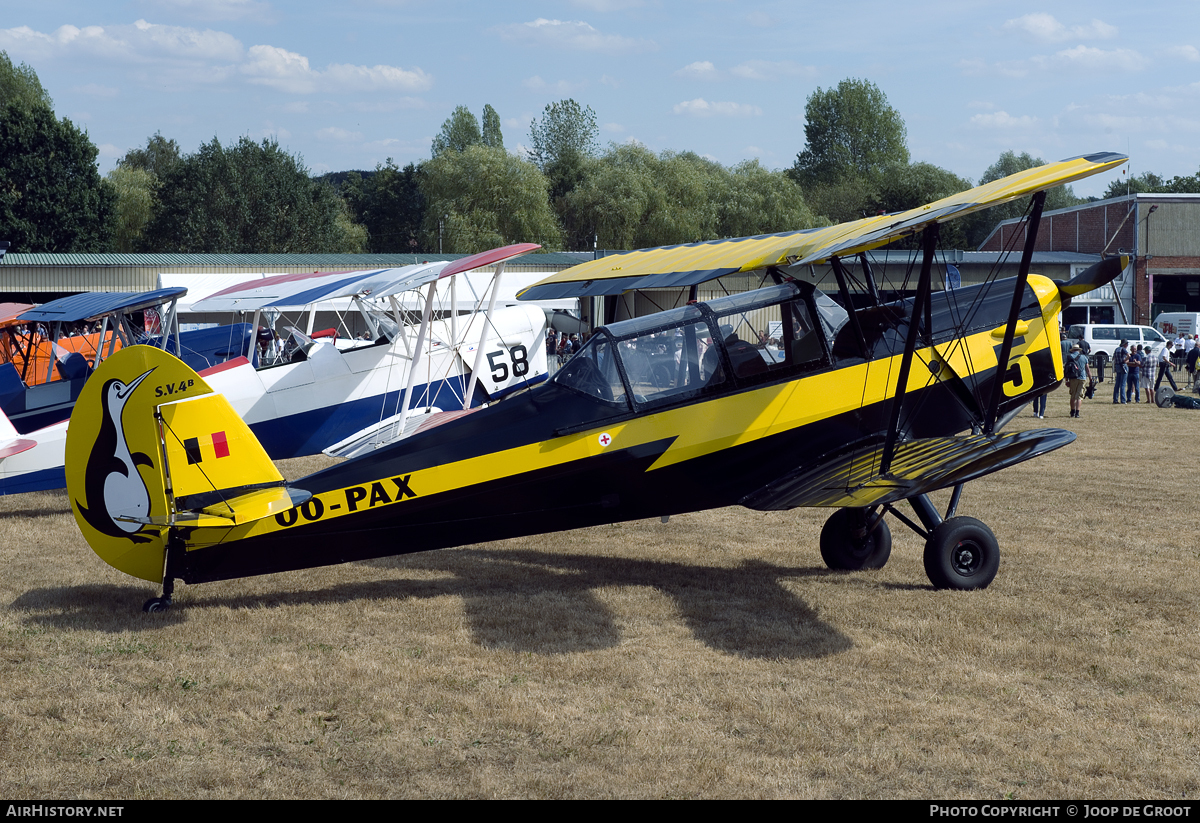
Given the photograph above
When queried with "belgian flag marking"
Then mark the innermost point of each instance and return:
(194, 454)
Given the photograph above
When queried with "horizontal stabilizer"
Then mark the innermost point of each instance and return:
(229, 507)
(853, 478)
(1093, 277)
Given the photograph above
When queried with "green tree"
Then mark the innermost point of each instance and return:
(485, 197)
(52, 198)
(563, 144)
(460, 130)
(389, 204)
(566, 131)
(158, 158)
(250, 197)
(135, 190)
(635, 199)
(1151, 183)
(850, 132)
(759, 201)
(491, 128)
(20, 85)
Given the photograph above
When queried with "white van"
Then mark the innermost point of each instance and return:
(1104, 339)
(1175, 323)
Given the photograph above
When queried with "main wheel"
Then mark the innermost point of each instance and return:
(961, 553)
(846, 545)
(156, 604)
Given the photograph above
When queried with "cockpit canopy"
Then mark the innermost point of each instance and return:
(706, 348)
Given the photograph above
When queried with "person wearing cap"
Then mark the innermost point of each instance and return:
(1076, 369)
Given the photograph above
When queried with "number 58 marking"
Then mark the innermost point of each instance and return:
(519, 356)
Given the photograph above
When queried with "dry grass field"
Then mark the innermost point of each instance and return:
(713, 656)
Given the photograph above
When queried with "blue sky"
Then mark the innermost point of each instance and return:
(347, 85)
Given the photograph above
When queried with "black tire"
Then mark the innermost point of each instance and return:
(844, 546)
(961, 553)
(156, 604)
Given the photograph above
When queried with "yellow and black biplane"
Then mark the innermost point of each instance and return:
(771, 399)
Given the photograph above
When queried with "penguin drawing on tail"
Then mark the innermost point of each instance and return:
(111, 474)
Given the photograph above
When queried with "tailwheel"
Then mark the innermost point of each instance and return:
(156, 604)
(961, 553)
(851, 542)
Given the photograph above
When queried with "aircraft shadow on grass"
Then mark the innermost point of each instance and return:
(524, 601)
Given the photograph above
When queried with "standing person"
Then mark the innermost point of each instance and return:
(1120, 359)
(1164, 367)
(1075, 369)
(1134, 364)
(1148, 366)
(1191, 364)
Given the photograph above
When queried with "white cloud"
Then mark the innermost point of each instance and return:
(139, 43)
(190, 56)
(700, 70)
(1045, 28)
(1091, 58)
(1002, 120)
(345, 76)
(559, 87)
(612, 82)
(338, 134)
(613, 128)
(572, 35)
(279, 68)
(771, 70)
(702, 108)
(288, 71)
(1188, 53)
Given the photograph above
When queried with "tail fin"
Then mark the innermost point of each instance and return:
(151, 446)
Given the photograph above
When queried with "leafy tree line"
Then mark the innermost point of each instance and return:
(565, 191)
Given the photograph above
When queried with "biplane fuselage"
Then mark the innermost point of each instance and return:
(571, 453)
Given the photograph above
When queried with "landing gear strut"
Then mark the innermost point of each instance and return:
(175, 550)
(960, 552)
(854, 539)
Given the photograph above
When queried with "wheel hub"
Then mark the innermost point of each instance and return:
(966, 559)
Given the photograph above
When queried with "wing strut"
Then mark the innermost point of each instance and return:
(1031, 231)
(921, 305)
(869, 276)
(843, 287)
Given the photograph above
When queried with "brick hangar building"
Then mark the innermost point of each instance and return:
(1160, 232)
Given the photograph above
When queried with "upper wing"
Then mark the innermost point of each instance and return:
(299, 290)
(687, 265)
(852, 478)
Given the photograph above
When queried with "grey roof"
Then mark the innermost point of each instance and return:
(330, 262)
